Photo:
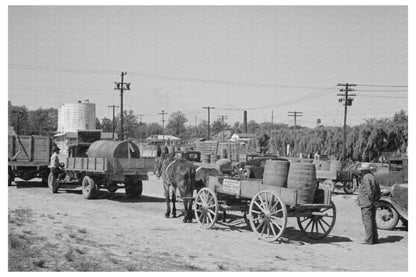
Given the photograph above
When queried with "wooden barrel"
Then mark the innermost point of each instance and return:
(275, 173)
(302, 176)
(214, 158)
(223, 153)
(205, 158)
(309, 161)
(325, 165)
(335, 165)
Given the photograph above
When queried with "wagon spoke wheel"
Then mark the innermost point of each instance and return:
(268, 216)
(206, 208)
(319, 224)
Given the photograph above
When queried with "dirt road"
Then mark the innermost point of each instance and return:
(65, 232)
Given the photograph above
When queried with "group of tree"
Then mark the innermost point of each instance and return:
(365, 142)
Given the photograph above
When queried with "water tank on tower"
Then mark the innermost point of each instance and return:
(76, 116)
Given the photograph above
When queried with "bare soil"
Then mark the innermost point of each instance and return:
(65, 232)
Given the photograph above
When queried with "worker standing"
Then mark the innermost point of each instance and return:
(55, 168)
(368, 195)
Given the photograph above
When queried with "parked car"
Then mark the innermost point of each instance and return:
(253, 167)
(393, 205)
(397, 173)
(190, 155)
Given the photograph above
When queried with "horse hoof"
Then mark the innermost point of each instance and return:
(185, 220)
(167, 215)
(174, 215)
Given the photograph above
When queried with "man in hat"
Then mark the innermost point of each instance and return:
(368, 195)
(55, 165)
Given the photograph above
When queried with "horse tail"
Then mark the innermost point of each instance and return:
(192, 174)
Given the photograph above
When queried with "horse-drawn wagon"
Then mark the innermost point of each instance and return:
(267, 207)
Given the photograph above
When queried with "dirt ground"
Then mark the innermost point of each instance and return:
(65, 232)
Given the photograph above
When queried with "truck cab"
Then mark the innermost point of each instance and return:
(397, 173)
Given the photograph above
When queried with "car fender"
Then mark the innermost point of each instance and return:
(402, 211)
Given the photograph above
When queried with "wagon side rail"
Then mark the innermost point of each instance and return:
(94, 165)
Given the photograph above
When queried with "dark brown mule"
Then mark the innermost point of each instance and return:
(180, 175)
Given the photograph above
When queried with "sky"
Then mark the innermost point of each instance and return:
(263, 59)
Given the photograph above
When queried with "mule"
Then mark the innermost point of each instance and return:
(179, 175)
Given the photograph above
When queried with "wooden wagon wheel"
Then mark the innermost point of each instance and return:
(268, 216)
(206, 208)
(320, 223)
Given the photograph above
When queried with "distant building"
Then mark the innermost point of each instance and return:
(163, 138)
(243, 137)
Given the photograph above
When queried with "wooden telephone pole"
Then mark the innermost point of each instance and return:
(345, 98)
(121, 87)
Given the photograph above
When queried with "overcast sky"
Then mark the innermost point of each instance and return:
(263, 59)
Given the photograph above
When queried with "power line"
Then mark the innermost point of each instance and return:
(382, 96)
(388, 90)
(163, 124)
(114, 117)
(386, 86)
(295, 114)
(209, 115)
(223, 117)
(165, 77)
(121, 87)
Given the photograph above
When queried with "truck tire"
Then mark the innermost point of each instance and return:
(89, 188)
(11, 178)
(386, 216)
(53, 183)
(134, 189)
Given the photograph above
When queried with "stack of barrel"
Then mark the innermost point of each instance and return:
(294, 174)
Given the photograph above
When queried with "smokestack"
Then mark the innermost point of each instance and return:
(245, 122)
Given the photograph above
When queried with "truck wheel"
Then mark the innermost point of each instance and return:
(45, 179)
(386, 216)
(134, 189)
(89, 188)
(53, 183)
(11, 178)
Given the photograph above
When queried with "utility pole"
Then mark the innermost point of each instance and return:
(121, 87)
(114, 117)
(163, 125)
(345, 97)
(272, 118)
(295, 114)
(209, 115)
(222, 117)
(140, 125)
